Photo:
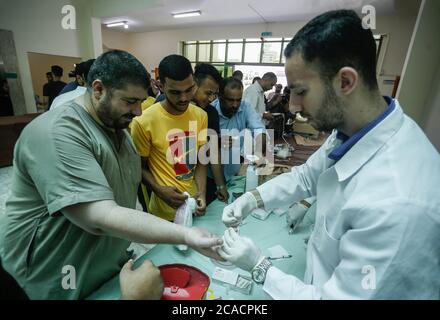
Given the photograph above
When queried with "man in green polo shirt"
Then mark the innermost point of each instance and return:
(74, 187)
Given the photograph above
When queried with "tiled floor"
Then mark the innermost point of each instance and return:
(5, 186)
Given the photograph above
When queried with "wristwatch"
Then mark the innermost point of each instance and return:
(260, 270)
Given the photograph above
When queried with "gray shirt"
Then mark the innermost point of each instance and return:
(62, 158)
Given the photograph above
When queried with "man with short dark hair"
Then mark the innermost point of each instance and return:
(74, 188)
(81, 72)
(208, 80)
(75, 88)
(53, 88)
(235, 116)
(168, 136)
(377, 226)
(237, 74)
(254, 94)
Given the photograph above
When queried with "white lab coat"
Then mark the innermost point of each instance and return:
(377, 229)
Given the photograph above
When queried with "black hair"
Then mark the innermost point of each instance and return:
(83, 68)
(175, 67)
(205, 70)
(116, 69)
(49, 73)
(237, 72)
(57, 71)
(334, 40)
(255, 79)
(269, 76)
(232, 83)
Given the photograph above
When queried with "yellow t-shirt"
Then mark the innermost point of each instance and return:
(171, 144)
(148, 103)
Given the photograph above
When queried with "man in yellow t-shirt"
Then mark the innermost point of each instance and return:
(148, 103)
(168, 136)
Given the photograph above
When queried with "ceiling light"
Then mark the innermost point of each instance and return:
(117, 24)
(187, 14)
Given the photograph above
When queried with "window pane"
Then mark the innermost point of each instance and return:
(218, 52)
(235, 40)
(283, 59)
(234, 52)
(204, 52)
(271, 52)
(219, 40)
(252, 52)
(253, 39)
(190, 52)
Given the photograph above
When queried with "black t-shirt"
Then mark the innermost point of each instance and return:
(213, 119)
(52, 90)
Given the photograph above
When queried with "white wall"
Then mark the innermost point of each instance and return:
(400, 28)
(116, 40)
(151, 47)
(432, 128)
(36, 28)
(419, 92)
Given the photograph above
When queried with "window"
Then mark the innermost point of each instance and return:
(236, 51)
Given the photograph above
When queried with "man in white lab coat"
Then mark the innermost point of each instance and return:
(376, 178)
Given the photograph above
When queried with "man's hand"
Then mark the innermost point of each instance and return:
(241, 251)
(203, 242)
(222, 194)
(144, 283)
(234, 213)
(172, 196)
(201, 204)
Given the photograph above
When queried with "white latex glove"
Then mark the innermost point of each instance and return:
(297, 211)
(240, 251)
(234, 213)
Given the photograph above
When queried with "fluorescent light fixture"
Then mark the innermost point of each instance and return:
(117, 24)
(187, 14)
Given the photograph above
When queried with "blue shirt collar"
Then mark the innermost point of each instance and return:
(349, 142)
(216, 104)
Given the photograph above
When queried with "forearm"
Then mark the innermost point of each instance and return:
(200, 177)
(149, 180)
(281, 286)
(107, 218)
(283, 190)
(217, 173)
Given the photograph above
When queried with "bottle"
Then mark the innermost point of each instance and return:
(251, 177)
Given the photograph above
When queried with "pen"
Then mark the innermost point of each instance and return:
(281, 257)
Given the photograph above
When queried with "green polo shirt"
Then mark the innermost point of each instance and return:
(62, 158)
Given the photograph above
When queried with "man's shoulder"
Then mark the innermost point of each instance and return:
(150, 113)
(70, 118)
(211, 110)
(197, 111)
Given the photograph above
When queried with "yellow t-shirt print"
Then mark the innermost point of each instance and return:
(183, 148)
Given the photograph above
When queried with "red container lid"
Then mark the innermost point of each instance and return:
(183, 282)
